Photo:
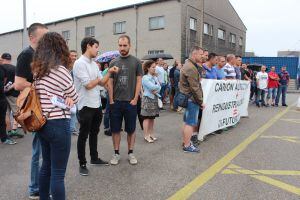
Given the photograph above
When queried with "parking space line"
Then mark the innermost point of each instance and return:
(279, 184)
(207, 175)
(284, 138)
(292, 120)
(260, 175)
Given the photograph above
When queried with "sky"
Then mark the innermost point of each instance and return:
(272, 25)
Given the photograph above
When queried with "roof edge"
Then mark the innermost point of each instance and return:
(148, 2)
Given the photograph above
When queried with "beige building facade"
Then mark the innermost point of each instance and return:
(168, 26)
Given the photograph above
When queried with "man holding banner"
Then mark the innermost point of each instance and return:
(190, 86)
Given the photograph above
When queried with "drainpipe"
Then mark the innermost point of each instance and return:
(76, 29)
(136, 29)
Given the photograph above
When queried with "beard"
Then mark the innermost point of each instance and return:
(124, 53)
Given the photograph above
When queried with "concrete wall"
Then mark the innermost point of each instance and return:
(221, 14)
(194, 9)
(167, 39)
(11, 43)
(66, 26)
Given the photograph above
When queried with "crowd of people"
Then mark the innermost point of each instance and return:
(122, 89)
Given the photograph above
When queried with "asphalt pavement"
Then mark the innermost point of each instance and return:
(259, 159)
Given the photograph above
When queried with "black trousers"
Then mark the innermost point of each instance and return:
(141, 118)
(89, 120)
(3, 107)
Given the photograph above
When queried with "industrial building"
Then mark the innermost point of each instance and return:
(155, 26)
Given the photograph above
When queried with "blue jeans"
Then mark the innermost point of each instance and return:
(261, 93)
(73, 123)
(273, 92)
(55, 137)
(106, 116)
(162, 90)
(175, 103)
(35, 165)
(282, 89)
(191, 114)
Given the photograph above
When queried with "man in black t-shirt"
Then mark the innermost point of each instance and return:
(11, 95)
(3, 106)
(245, 72)
(23, 79)
(124, 89)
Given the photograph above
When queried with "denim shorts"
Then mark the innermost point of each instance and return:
(191, 113)
(122, 110)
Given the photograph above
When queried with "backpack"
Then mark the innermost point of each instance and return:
(29, 114)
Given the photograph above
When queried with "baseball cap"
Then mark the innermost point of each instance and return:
(6, 56)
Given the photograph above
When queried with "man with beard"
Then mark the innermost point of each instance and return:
(124, 90)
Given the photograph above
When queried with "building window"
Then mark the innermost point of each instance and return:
(90, 31)
(211, 30)
(232, 38)
(193, 24)
(150, 52)
(221, 34)
(66, 35)
(241, 41)
(156, 23)
(207, 29)
(119, 27)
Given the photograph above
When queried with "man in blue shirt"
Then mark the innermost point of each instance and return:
(211, 72)
(219, 67)
(237, 67)
(283, 85)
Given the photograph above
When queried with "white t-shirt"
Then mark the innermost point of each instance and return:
(262, 78)
(161, 74)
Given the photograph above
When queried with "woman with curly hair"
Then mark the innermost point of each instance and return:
(53, 79)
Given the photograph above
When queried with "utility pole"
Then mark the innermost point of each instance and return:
(24, 25)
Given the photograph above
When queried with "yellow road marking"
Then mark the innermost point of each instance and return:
(235, 169)
(279, 184)
(279, 137)
(285, 138)
(199, 181)
(279, 172)
(292, 120)
(232, 166)
(259, 175)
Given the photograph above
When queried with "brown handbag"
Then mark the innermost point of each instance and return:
(29, 114)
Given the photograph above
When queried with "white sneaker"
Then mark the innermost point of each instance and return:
(132, 159)
(115, 159)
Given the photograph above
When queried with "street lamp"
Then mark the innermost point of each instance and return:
(24, 26)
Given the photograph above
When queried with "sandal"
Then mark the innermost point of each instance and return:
(153, 138)
(148, 139)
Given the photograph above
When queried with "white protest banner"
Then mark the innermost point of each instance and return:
(226, 101)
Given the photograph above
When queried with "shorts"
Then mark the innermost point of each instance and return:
(122, 110)
(191, 114)
(173, 91)
(12, 104)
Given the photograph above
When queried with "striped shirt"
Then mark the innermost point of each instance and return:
(59, 83)
(229, 71)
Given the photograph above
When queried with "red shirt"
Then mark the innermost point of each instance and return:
(272, 82)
